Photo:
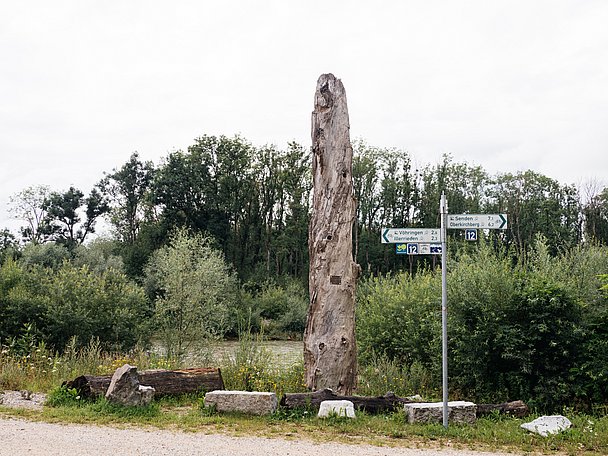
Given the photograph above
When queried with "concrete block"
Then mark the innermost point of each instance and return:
(252, 402)
(432, 412)
(339, 408)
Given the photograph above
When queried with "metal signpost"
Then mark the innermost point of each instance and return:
(443, 209)
(433, 241)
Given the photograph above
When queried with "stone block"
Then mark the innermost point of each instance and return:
(432, 412)
(546, 425)
(252, 402)
(339, 408)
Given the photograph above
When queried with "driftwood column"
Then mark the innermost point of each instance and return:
(330, 351)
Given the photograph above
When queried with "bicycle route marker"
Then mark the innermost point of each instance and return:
(470, 234)
(479, 221)
(418, 249)
(410, 235)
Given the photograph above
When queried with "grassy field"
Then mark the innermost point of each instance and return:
(251, 368)
(589, 435)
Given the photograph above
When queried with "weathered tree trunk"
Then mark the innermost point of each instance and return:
(387, 403)
(165, 382)
(330, 351)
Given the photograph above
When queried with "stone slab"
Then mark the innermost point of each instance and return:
(251, 402)
(432, 412)
(338, 408)
(546, 425)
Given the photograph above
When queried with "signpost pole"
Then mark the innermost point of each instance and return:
(443, 207)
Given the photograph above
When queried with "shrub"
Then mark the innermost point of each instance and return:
(194, 290)
(398, 317)
(70, 301)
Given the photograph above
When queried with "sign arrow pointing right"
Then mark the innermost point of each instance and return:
(504, 221)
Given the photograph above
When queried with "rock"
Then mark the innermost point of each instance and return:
(546, 425)
(430, 412)
(125, 389)
(26, 394)
(338, 408)
(252, 402)
(414, 398)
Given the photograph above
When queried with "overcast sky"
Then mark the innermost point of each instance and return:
(509, 85)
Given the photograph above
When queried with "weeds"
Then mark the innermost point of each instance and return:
(42, 369)
(252, 369)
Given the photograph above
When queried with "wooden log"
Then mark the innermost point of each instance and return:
(330, 349)
(516, 408)
(165, 382)
(379, 404)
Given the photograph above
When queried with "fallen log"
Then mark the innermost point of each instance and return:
(516, 408)
(165, 382)
(387, 403)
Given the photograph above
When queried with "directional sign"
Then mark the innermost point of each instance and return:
(418, 249)
(470, 234)
(410, 235)
(435, 249)
(479, 221)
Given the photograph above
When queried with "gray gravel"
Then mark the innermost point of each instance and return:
(22, 399)
(18, 437)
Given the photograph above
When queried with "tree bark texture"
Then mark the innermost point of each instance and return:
(165, 382)
(330, 351)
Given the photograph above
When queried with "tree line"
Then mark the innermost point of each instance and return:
(255, 203)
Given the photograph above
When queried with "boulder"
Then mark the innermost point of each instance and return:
(546, 425)
(336, 408)
(125, 389)
(251, 402)
(432, 412)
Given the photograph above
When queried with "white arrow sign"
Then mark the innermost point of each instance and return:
(480, 221)
(405, 235)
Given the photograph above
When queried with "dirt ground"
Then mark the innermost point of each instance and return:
(19, 437)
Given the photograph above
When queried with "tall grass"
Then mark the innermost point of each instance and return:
(40, 369)
(252, 369)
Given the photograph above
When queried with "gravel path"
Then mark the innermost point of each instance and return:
(18, 437)
(22, 399)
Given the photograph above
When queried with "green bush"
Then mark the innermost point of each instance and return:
(70, 302)
(399, 318)
(194, 290)
(535, 331)
(277, 309)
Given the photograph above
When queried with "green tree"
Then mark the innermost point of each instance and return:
(8, 245)
(194, 290)
(128, 191)
(536, 204)
(28, 205)
(63, 223)
(595, 212)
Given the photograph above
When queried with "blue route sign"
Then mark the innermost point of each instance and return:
(412, 249)
(435, 249)
(470, 234)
